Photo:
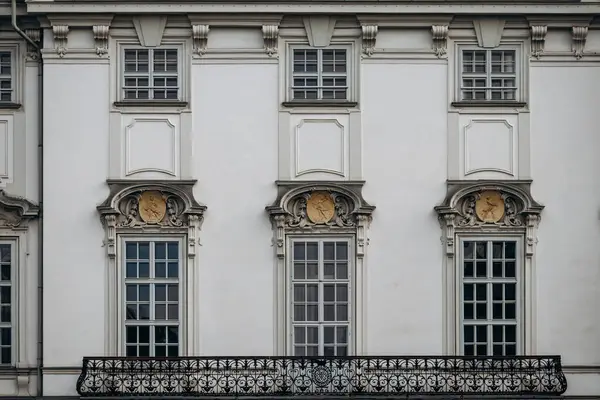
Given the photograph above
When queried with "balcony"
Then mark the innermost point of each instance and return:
(332, 377)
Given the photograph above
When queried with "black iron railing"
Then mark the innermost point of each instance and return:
(321, 376)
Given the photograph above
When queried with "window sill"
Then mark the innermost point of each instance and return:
(499, 104)
(320, 103)
(151, 103)
(7, 105)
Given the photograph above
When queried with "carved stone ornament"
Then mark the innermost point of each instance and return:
(60, 39)
(151, 206)
(200, 39)
(494, 206)
(369, 38)
(319, 207)
(439, 35)
(33, 53)
(270, 37)
(579, 35)
(101, 39)
(16, 211)
(538, 40)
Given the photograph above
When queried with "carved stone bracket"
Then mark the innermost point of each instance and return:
(151, 206)
(60, 39)
(32, 53)
(101, 39)
(16, 211)
(270, 37)
(489, 207)
(538, 40)
(369, 38)
(439, 34)
(200, 39)
(320, 207)
(579, 35)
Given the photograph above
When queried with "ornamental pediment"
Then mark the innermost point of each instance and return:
(16, 211)
(488, 204)
(153, 204)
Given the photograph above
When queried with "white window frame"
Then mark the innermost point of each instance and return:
(14, 309)
(521, 295)
(182, 282)
(182, 76)
(352, 64)
(520, 71)
(352, 285)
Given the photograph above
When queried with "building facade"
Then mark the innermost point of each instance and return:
(282, 198)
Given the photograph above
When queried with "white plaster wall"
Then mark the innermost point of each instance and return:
(565, 165)
(404, 137)
(75, 168)
(235, 162)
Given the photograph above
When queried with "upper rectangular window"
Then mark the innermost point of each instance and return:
(7, 76)
(152, 306)
(320, 300)
(320, 74)
(151, 74)
(489, 75)
(7, 297)
(490, 298)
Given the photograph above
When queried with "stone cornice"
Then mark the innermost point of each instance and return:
(80, 20)
(225, 20)
(531, 7)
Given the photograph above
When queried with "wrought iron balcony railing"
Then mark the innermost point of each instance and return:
(369, 376)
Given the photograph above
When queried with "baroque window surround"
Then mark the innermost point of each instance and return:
(319, 32)
(168, 34)
(350, 215)
(459, 219)
(16, 217)
(491, 34)
(180, 216)
(16, 50)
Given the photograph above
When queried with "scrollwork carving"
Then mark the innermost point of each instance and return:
(16, 211)
(152, 205)
(502, 207)
(320, 208)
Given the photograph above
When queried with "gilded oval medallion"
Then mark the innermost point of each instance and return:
(152, 207)
(490, 207)
(320, 208)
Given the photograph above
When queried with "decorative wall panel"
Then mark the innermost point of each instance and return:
(151, 147)
(488, 147)
(320, 147)
(6, 150)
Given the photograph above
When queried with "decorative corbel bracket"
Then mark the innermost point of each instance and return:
(60, 39)
(320, 208)
(579, 36)
(538, 40)
(151, 206)
(101, 33)
(439, 34)
(488, 207)
(200, 39)
(369, 39)
(32, 53)
(271, 39)
(16, 211)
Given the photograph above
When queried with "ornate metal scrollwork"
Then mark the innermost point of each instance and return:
(392, 377)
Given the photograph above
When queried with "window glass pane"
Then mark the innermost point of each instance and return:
(321, 310)
(151, 296)
(489, 304)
